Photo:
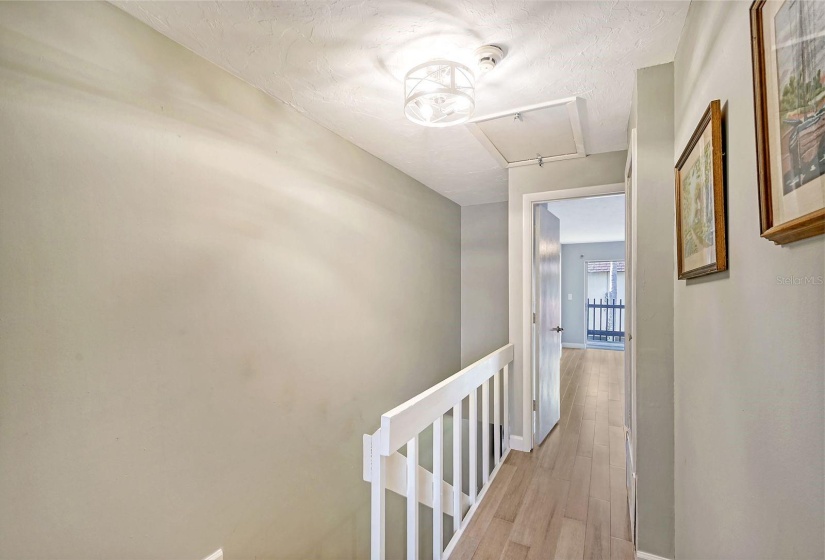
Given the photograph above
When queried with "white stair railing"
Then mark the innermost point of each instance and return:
(386, 469)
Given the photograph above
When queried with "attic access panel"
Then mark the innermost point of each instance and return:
(535, 134)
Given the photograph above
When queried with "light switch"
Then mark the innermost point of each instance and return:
(570, 297)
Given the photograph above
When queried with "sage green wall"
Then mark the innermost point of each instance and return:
(749, 350)
(205, 300)
(653, 210)
(483, 280)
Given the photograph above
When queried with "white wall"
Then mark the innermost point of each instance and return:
(594, 170)
(205, 300)
(749, 351)
(652, 117)
(483, 280)
(573, 257)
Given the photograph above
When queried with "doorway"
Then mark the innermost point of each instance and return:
(582, 239)
(588, 270)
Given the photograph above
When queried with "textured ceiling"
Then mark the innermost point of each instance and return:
(342, 63)
(590, 220)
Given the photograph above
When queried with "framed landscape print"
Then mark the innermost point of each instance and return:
(700, 200)
(788, 39)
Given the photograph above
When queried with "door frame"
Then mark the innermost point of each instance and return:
(528, 370)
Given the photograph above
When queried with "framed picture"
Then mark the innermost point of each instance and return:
(700, 200)
(789, 97)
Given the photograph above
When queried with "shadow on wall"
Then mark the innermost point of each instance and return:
(195, 331)
(703, 56)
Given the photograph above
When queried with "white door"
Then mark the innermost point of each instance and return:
(547, 321)
(630, 332)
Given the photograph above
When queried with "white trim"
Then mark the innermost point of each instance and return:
(217, 555)
(648, 556)
(535, 161)
(399, 425)
(517, 443)
(528, 200)
(469, 516)
(398, 480)
(574, 110)
(476, 131)
(573, 345)
(526, 109)
(573, 104)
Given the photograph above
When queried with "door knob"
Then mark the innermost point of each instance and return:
(557, 329)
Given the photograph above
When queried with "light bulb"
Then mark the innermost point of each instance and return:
(425, 110)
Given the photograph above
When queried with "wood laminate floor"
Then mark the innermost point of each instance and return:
(567, 499)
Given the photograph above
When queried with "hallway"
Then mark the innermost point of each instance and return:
(567, 499)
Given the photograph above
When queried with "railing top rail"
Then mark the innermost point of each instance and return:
(401, 423)
(605, 305)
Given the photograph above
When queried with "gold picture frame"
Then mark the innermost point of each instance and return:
(701, 244)
(790, 120)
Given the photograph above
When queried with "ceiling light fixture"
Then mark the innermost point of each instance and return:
(439, 93)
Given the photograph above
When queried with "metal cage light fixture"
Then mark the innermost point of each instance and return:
(439, 93)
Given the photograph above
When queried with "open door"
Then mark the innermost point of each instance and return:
(546, 322)
(630, 334)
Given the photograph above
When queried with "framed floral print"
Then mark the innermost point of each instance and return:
(700, 200)
(788, 39)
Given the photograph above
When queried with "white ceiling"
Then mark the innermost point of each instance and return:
(590, 220)
(342, 64)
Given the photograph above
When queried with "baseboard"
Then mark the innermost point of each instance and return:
(517, 443)
(573, 345)
(648, 556)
